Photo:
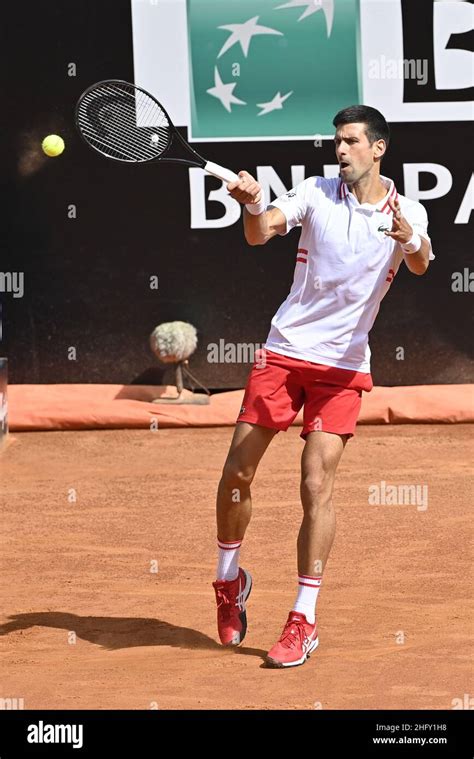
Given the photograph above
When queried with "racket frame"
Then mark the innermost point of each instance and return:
(214, 169)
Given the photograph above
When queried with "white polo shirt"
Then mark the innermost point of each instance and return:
(344, 267)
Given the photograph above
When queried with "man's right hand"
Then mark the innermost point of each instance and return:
(246, 190)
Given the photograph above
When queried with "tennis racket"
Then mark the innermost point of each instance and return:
(125, 123)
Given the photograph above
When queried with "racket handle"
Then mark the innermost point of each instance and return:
(218, 171)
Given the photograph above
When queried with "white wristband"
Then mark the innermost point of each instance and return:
(413, 245)
(257, 208)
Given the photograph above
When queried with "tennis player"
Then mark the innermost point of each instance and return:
(355, 232)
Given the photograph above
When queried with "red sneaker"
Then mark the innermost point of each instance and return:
(231, 596)
(298, 639)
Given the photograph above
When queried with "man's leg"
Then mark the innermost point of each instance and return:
(234, 507)
(319, 461)
(234, 504)
(321, 455)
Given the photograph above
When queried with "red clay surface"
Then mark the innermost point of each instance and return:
(395, 608)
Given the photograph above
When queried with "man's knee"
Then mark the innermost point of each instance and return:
(236, 475)
(316, 491)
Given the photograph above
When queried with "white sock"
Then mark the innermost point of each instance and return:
(228, 562)
(308, 589)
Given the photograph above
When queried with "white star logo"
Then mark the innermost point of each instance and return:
(243, 33)
(313, 6)
(274, 104)
(223, 92)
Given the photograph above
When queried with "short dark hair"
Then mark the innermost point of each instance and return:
(376, 126)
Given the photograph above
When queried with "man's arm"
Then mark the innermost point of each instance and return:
(418, 262)
(402, 232)
(258, 228)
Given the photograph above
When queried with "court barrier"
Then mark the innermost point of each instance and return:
(94, 406)
(3, 401)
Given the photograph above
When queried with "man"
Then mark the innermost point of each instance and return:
(355, 232)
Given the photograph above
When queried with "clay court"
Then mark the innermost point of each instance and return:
(88, 514)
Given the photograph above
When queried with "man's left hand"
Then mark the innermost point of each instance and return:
(401, 231)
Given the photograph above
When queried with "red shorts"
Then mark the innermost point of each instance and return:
(278, 386)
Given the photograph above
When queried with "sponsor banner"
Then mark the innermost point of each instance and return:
(269, 70)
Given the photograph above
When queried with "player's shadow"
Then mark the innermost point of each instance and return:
(113, 633)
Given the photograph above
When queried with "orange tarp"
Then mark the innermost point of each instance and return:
(66, 407)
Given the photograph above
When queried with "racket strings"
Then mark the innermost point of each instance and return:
(116, 129)
(123, 122)
(130, 116)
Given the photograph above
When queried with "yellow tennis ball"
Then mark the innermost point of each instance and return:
(53, 145)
